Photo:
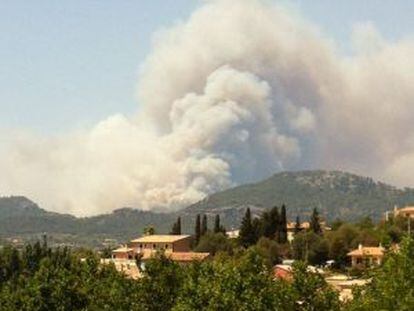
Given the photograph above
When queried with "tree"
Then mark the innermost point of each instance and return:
(243, 284)
(247, 234)
(392, 284)
(149, 230)
(298, 227)
(204, 225)
(213, 243)
(176, 228)
(197, 229)
(309, 291)
(310, 247)
(315, 223)
(282, 225)
(269, 250)
(269, 223)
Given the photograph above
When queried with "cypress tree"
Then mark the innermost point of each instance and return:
(197, 229)
(315, 224)
(247, 232)
(176, 228)
(297, 225)
(217, 224)
(275, 223)
(179, 225)
(266, 225)
(204, 225)
(283, 225)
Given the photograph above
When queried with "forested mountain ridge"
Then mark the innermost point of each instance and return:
(335, 194)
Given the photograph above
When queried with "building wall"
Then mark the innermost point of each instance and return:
(120, 255)
(182, 245)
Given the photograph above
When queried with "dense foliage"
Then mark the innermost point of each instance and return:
(236, 278)
(39, 278)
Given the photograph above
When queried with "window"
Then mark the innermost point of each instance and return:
(166, 246)
(154, 246)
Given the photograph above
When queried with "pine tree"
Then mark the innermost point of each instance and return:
(315, 224)
(204, 225)
(282, 225)
(247, 231)
(297, 225)
(197, 229)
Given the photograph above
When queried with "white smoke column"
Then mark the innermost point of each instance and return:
(241, 90)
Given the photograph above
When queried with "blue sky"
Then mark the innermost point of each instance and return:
(66, 64)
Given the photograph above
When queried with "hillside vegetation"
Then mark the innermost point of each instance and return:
(335, 194)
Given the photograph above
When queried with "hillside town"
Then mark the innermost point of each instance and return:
(130, 258)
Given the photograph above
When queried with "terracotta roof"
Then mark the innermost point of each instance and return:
(286, 268)
(367, 251)
(160, 238)
(406, 209)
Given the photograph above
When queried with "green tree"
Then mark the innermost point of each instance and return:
(282, 225)
(269, 223)
(315, 222)
(310, 247)
(269, 250)
(149, 230)
(176, 228)
(391, 287)
(247, 234)
(213, 243)
(298, 227)
(242, 284)
(204, 226)
(161, 279)
(197, 233)
(217, 226)
(310, 292)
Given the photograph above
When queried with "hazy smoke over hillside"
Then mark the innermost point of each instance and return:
(239, 91)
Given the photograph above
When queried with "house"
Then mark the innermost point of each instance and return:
(233, 234)
(174, 247)
(123, 252)
(366, 256)
(168, 243)
(344, 285)
(407, 211)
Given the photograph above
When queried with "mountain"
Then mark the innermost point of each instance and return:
(336, 195)
(23, 219)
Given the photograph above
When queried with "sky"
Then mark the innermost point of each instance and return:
(68, 64)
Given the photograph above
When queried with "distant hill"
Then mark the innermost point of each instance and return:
(335, 194)
(20, 217)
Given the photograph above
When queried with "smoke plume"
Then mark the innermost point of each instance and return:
(241, 90)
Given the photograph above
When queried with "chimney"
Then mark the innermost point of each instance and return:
(360, 246)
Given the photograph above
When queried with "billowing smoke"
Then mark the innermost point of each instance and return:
(241, 90)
